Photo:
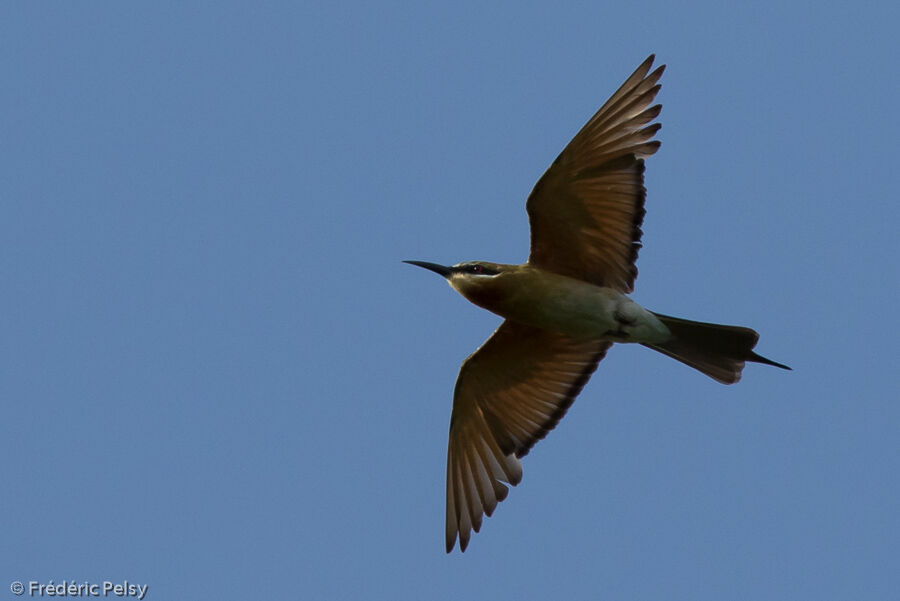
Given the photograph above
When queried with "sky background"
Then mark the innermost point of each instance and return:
(217, 378)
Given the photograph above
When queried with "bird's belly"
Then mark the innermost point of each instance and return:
(580, 311)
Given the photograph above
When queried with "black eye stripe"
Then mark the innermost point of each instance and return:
(475, 269)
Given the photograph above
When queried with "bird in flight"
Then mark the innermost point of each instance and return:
(566, 306)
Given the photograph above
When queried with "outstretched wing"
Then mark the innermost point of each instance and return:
(510, 392)
(586, 210)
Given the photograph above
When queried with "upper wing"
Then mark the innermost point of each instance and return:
(587, 208)
(509, 394)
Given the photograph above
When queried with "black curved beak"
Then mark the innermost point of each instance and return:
(439, 269)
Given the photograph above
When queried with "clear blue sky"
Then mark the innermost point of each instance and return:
(218, 379)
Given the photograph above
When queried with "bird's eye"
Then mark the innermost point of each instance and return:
(476, 269)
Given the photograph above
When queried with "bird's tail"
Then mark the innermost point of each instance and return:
(717, 350)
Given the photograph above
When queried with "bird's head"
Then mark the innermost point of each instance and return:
(478, 281)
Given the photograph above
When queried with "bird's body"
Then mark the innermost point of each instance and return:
(543, 299)
(566, 306)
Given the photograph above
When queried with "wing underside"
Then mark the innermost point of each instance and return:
(509, 394)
